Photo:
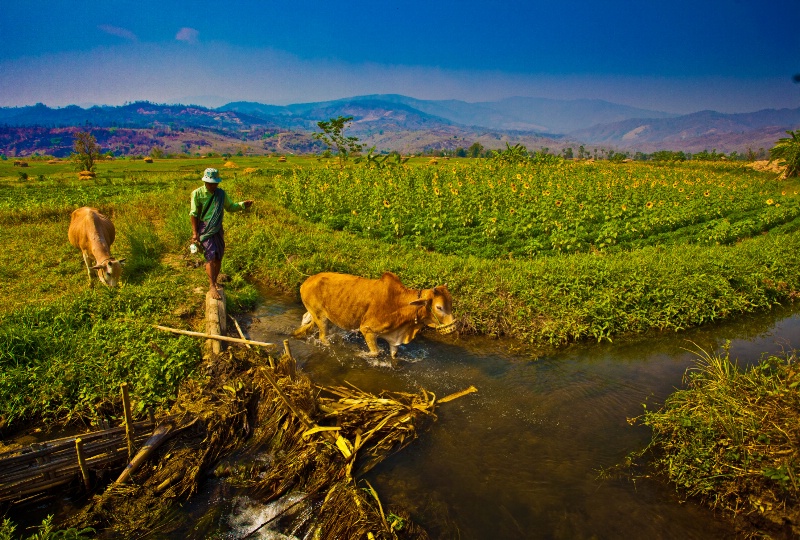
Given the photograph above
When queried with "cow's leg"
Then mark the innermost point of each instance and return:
(371, 339)
(322, 324)
(305, 326)
(393, 349)
(88, 266)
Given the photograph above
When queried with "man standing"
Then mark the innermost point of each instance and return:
(209, 203)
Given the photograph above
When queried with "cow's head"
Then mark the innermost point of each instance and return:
(438, 312)
(109, 271)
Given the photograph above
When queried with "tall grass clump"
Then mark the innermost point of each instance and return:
(145, 247)
(730, 437)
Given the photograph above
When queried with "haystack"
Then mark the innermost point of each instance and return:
(86, 174)
(230, 165)
(768, 166)
(148, 159)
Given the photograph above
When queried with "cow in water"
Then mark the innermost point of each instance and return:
(93, 233)
(379, 308)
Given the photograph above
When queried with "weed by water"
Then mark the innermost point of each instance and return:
(730, 437)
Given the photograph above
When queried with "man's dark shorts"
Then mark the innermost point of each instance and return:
(214, 246)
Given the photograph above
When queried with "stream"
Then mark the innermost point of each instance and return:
(521, 458)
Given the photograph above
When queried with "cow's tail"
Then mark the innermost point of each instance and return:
(306, 324)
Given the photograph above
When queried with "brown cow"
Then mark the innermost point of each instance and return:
(379, 308)
(93, 233)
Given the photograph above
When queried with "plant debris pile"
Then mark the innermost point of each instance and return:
(317, 447)
(732, 438)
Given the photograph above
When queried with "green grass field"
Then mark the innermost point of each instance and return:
(69, 346)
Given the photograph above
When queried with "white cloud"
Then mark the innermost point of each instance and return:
(124, 33)
(189, 35)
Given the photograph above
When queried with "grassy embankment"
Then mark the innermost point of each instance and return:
(68, 348)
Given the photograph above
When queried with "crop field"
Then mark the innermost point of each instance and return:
(537, 209)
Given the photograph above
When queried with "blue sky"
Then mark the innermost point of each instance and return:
(677, 55)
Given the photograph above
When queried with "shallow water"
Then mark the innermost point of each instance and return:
(521, 458)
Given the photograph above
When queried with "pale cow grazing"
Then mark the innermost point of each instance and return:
(379, 308)
(93, 233)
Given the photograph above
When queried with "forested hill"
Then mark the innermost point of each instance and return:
(389, 122)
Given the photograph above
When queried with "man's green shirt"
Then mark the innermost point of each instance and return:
(200, 198)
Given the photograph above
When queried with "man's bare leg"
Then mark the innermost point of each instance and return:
(212, 271)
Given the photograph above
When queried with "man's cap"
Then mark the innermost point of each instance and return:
(211, 176)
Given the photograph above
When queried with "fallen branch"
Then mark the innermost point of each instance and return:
(213, 336)
(457, 395)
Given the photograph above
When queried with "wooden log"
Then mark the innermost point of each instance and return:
(216, 320)
(205, 335)
(457, 395)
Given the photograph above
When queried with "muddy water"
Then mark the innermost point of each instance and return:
(521, 458)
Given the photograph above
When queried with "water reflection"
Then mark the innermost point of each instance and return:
(520, 458)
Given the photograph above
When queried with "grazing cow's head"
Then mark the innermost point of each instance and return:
(109, 271)
(438, 309)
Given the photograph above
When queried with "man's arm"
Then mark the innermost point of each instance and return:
(195, 229)
(231, 206)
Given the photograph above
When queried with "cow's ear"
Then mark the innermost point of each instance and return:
(121, 261)
(419, 302)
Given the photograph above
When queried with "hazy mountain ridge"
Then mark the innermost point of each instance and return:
(696, 131)
(391, 122)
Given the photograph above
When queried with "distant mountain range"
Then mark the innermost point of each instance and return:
(389, 122)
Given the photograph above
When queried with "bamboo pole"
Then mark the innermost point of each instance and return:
(82, 463)
(212, 336)
(126, 405)
(161, 433)
(239, 330)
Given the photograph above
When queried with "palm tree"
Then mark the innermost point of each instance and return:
(787, 151)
